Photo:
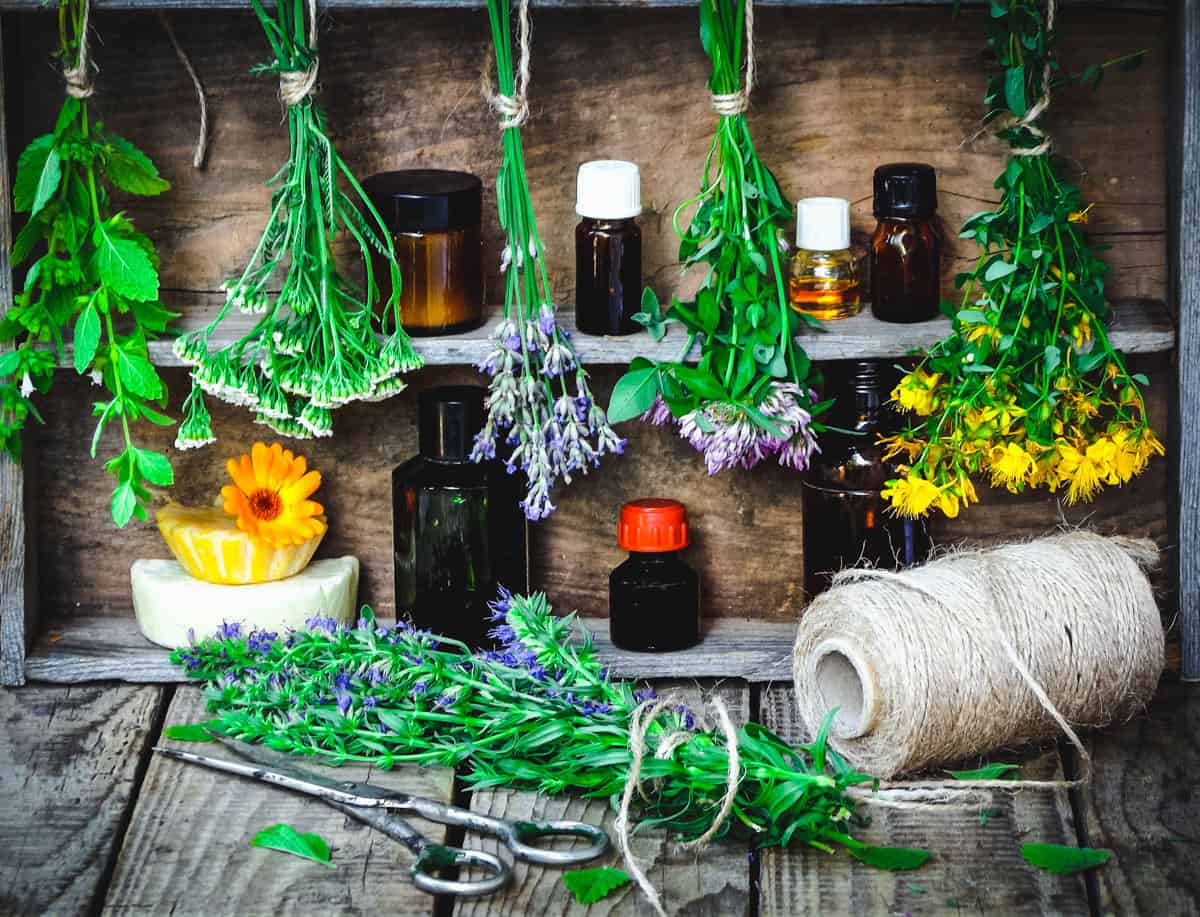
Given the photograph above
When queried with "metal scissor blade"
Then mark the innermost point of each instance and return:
(289, 777)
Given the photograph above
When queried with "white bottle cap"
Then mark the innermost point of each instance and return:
(823, 224)
(609, 189)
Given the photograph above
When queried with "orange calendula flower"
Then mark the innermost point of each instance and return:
(269, 496)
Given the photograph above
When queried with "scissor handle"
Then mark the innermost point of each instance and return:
(518, 834)
(437, 856)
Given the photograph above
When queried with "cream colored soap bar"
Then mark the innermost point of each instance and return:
(168, 601)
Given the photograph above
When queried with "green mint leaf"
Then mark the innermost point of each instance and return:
(48, 182)
(287, 839)
(1014, 90)
(87, 338)
(138, 374)
(30, 168)
(124, 502)
(66, 116)
(996, 771)
(893, 859)
(130, 169)
(1062, 860)
(633, 394)
(155, 468)
(191, 732)
(124, 265)
(590, 885)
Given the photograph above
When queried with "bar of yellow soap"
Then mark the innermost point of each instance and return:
(210, 546)
(168, 601)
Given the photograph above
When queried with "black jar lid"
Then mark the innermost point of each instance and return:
(905, 189)
(448, 419)
(426, 200)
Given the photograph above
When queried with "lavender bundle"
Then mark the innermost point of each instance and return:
(539, 403)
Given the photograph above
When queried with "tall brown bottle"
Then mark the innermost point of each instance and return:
(906, 248)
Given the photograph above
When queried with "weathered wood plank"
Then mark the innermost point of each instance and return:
(713, 882)
(69, 760)
(975, 868)
(14, 608)
(1142, 804)
(110, 648)
(1185, 281)
(186, 850)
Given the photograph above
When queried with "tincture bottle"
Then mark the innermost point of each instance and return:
(824, 281)
(608, 247)
(906, 247)
(458, 529)
(654, 596)
(846, 518)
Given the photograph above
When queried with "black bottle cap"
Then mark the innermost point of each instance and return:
(426, 200)
(448, 419)
(905, 189)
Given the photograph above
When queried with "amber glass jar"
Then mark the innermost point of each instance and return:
(907, 246)
(434, 218)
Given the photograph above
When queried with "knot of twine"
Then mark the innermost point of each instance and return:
(297, 85)
(513, 109)
(640, 722)
(980, 650)
(79, 77)
(729, 104)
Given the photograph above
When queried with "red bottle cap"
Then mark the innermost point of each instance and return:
(653, 526)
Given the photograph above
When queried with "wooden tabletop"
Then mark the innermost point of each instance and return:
(92, 822)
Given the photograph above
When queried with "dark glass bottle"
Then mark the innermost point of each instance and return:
(458, 529)
(608, 248)
(906, 247)
(654, 596)
(846, 518)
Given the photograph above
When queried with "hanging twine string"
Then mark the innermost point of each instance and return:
(640, 722)
(513, 109)
(297, 85)
(924, 666)
(79, 77)
(202, 139)
(735, 103)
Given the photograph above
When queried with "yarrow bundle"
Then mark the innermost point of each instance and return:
(314, 347)
(1028, 389)
(539, 713)
(750, 397)
(540, 405)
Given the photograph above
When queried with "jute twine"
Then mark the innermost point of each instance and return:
(202, 101)
(734, 103)
(981, 650)
(513, 109)
(644, 716)
(297, 85)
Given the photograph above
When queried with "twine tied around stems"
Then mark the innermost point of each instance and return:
(513, 109)
(640, 722)
(79, 77)
(729, 104)
(297, 85)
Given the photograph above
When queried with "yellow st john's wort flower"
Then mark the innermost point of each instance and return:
(916, 392)
(269, 496)
(911, 496)
(1011, 467)
(1087, 469)
(1079, 216)
(1134, 449)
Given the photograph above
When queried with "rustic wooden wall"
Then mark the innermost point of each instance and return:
(841, 91)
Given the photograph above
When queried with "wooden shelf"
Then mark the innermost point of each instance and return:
(1156, 6)
(111, 648)
(1138, 326)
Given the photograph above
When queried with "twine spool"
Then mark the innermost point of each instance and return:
(980, 650)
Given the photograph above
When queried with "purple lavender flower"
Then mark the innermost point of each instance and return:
(344, 702)
(229, 630)
(375, 676)
(419, 688)
(546, 320)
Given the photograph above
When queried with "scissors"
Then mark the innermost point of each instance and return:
(377, 807)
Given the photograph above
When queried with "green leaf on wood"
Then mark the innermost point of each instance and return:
(124, 265)
(131, 170)
(633, 394)
(32, 172)
(155, 468)
(138, 374)
(287, 839)
(998, 771)
(87, 338)
(1063, 860)
(999, 268)
(124, 502)
(591, 885)
(1014, 90)
(893, 859)
(191, 732)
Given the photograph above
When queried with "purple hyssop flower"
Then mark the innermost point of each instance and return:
(229, 630)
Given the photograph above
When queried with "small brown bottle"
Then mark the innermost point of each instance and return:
(608, 248)
(906, 247)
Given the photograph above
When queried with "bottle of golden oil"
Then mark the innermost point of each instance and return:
(824, 281)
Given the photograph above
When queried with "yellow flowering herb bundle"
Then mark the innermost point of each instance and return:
(1027, 391)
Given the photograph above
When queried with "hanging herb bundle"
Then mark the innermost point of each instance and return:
(314, 347)
(539, 401)
(88, 268)
(540, 713)
(1028, 389)
(750, 396)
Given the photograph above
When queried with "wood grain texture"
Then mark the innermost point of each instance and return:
(69, 760)
(1142, 804)
(186, 850)
(975, 868)
(711, 882)
(1185, 259)
(13, 592)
